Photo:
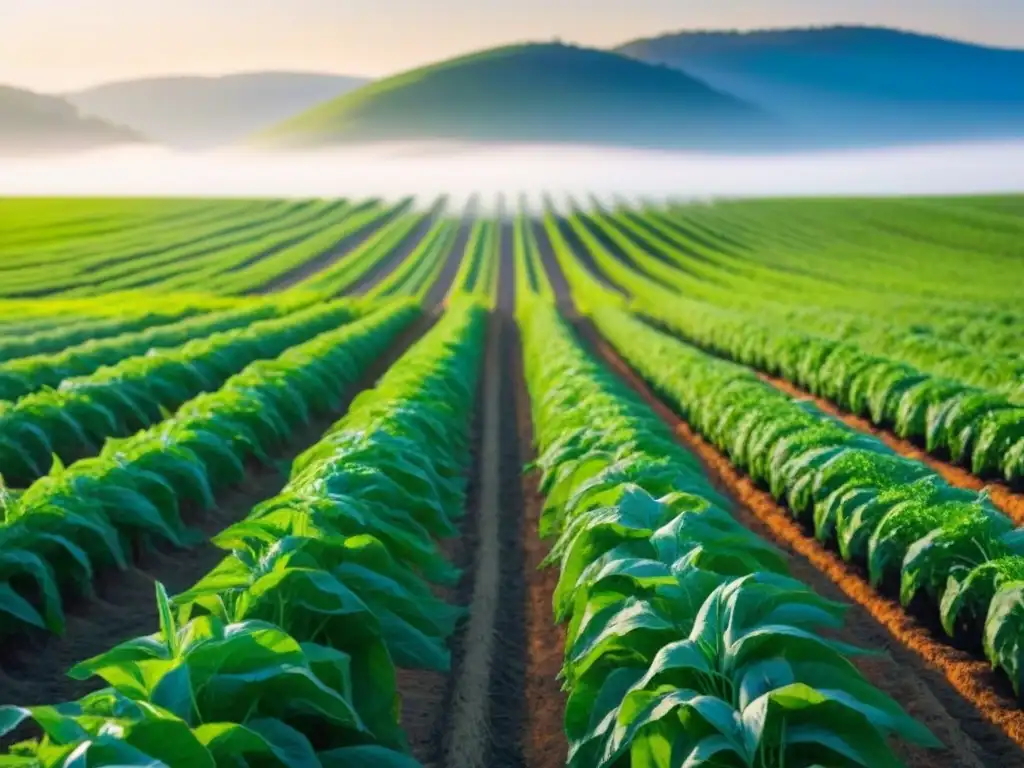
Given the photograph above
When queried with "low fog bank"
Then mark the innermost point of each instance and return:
(428, 170)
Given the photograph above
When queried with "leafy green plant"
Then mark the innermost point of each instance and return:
(204, 693)
(934, 392)
(686, 643)
(911, 529)
(74, 420)
(51, 340)
(57, 532)
(28, 374)
(983, 428)
(285, 653)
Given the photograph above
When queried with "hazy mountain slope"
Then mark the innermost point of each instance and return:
(31, 122)
(532, 93)
(210, 111)
(857, 82)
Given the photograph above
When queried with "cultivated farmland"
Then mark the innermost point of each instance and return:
(395, 483)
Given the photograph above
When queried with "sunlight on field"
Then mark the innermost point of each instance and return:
(426, 170)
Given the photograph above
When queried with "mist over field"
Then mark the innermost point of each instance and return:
(431, 169)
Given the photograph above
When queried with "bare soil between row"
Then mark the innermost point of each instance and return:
(544, 742)
(501, 705)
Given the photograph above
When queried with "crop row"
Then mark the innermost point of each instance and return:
(981, 428)
(475, 265)
(866, 253)
(59, 530)
(74, 420)
(947, 345)
(173, 270)
(227, 274)
(129, 264)
(336, 278)
(913, 340)
(587, 290)
(985, 358)
(233, 254)
(415, 275)
(686, 642)
(285, 654)
(740, 284)
(531, 279)
(94, 232)
(27, 374)
(704, 263)
(53, 338)
(896, 516)
(54, 246)
(27, 317)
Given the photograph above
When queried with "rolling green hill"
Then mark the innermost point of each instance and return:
(548, 93)
(31, 122)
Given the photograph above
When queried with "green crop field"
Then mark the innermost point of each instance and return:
(367, 482)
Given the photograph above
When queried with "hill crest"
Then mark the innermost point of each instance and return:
(529, 92)
(830, 33)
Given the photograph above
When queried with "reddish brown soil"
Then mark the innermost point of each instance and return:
(544, 742)
(955, 695)
(33, 667)
(1009, 501)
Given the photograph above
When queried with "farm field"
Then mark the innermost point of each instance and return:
(402, 483)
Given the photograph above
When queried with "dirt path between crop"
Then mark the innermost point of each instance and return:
(467, 743)
(501, 707)
(544, 741)
(33, 667)
(487, 705)
(509, 704)
(442, 284)
(954, 694)
(470, 717)
(1008, 500)
(426, 694)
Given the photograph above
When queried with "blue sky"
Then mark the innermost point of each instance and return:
(63, 44)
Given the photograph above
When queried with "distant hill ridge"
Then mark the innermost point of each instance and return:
(826, 33)
(851, 81)
(203, 112)
(536, 92)
(753, 90)
(34, 122)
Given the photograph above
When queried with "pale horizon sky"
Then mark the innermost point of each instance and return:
(57, 45)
